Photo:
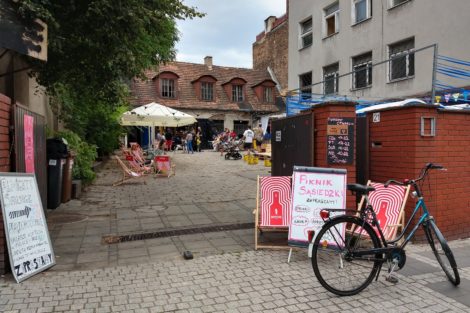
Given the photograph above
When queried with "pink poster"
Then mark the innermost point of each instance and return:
(28, 144)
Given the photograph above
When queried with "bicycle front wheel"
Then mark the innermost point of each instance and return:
(335, 261)
(442, 252)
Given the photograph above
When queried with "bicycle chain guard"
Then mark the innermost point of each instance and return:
(397, 256)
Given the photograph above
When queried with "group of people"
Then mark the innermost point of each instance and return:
(191, 140)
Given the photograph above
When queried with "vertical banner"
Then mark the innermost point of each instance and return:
(275, 201)
(314, 189)
(28, 143)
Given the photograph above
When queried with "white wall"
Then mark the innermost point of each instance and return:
(428, 21)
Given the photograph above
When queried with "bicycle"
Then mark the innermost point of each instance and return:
(348, 252)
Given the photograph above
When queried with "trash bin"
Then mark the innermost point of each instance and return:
(67, 179)
(56, 154)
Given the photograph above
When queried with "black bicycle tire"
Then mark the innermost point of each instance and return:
(370, 231)
(431, 226)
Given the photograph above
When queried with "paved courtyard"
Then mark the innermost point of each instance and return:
(149, 275)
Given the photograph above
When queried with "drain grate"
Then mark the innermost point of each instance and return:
(111, 239)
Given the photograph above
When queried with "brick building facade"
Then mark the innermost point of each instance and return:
(270, 49)
(5, 107)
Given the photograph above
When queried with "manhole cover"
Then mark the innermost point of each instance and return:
(150, 209)
(62, 218)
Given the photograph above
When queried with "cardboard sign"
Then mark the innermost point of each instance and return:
(314, 189)
(275, 201)
(29, 245)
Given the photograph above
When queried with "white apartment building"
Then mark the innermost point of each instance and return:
(330, 38)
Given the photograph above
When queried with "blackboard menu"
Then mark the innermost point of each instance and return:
(29, 244)
(340, 140)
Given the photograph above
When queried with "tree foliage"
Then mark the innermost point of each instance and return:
(94, 48)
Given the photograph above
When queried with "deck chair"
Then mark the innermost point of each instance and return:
(127, 174)
(163, 166)
(389, 206)
(134, 164)
(272, 213)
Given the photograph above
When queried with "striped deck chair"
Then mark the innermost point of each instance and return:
(127, 174)
(134, 164)
(272, 211)
(389, 206)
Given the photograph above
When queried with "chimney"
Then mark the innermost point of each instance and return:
(208, 62)
(268, 23)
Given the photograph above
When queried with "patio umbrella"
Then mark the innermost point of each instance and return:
(154, 114)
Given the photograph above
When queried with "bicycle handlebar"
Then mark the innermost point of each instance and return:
(424, 172)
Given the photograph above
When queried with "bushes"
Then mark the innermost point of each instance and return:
(85, 155)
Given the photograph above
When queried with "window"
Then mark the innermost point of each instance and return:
(331, 79)
(360, 10)
(237, 93)
(362, 71)
(305, 85)
(306, 36)
(168, 88)
(394, 3)
(268, 94)
(402, 60)
(207, 91)
(331, 20)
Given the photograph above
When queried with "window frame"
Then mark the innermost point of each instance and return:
(169, 90)
(268, 94)
(368, 69)
(237, 96)
(392, 4)
(305, 33)
(335, 79)
(408, 54)
(206, 91)
(305, 89)
(334, 14)
(354, 3)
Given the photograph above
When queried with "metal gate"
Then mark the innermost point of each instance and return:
(39, 138)
(292, 143)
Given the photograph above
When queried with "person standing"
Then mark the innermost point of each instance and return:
(198, 139)
(169, 139)
(189, 142)
(248, 135)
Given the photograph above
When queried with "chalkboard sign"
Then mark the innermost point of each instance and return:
(340, 140)
(29, 244)
(314, 189)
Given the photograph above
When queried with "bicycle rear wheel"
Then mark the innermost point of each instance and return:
(442, 252)
(336, 267)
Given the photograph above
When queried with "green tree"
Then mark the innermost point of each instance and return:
(94, 48)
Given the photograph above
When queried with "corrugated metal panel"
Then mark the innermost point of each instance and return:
(292, 142)
(39, 130)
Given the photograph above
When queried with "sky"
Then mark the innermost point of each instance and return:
(227, 32)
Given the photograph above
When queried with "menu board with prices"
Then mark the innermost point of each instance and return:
(340, 140)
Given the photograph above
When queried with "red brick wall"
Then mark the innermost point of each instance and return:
(5, 106)
(321, 115)
(403, 152)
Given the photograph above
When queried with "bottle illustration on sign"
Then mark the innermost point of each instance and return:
(275, 210)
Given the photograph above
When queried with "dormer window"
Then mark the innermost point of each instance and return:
(167, 88)
(268, 94)
(207, 91)
(237, 93)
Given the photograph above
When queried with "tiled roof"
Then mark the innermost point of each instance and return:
(145, 91)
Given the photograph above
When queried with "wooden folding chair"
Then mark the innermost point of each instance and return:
(389, 206)
(163, 166)
(127, 174)
(134, 164)
(272, 213)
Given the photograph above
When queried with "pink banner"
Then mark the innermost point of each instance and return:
(28, 144)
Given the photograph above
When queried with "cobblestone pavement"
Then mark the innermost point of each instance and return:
(226, 275)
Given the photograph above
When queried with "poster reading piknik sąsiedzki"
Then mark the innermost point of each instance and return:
(314, 189)
(28, 240)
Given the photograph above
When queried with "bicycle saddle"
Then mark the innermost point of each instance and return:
(360, 188)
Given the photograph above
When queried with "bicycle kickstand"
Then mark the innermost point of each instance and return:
(391, 277)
